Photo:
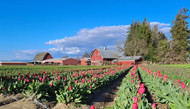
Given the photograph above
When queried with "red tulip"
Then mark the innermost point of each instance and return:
(92, 107)
(137, 79)
(18, 79)
(134, 106)
(3, 88)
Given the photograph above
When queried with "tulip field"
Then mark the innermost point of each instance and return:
(66, 87)
(142, 87)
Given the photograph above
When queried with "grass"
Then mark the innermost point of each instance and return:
(179, 65)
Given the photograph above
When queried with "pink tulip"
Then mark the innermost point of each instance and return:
(132, 81)
(40, 78)
(141, 90)
(135, 99)
(182, 85)
(76, 81)
(134, 106)
(153, 105)
(18, 79)
(165, 76)
(70, 88)
(92, 107)
(178, 80)
(3, 88)
(142, 86)
(51, 84)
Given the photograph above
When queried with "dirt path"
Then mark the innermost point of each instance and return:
(105, 97)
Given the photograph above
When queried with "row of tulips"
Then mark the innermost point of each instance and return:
(164, 90)
(67, 87)
(174, 73)
(132, 93)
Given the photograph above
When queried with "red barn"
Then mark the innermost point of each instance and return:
(129, 60)
(85, 61)
(102, 56)
(62, 61)
(42, 56)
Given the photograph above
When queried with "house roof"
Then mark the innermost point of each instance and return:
(40, 56)
(128, 58)
(108, 54)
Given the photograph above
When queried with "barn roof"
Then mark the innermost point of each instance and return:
(108, 54)
(128, 58)
(40, 56)
(56, 59)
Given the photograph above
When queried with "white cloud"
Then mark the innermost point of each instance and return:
(87, 40)
(164, 27)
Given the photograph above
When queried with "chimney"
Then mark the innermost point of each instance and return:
(104, 48)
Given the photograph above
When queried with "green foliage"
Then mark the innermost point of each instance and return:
(144, 41)
(180, 33)
(165, 91)
(153, 45)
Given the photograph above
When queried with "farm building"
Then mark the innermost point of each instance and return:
(103, 56)
(85, 61)
(129, 60)
(62, 61)
(42, 56)
(12, 63)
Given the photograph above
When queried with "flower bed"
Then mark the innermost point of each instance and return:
(66, 87)
(135, 89)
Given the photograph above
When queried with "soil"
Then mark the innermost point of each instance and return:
(105, 97)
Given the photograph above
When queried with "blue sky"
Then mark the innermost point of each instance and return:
(71, 27)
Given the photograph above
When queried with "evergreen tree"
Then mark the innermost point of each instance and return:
(180, 35)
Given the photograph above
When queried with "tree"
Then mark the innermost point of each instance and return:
(180, 35)
(86, 55)
(65, 56)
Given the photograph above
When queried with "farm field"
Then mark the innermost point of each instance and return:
(95, 87)
(49, 88)
(10, 70)
(174, 72)
(178, 66)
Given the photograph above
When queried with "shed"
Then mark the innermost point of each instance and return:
(62, 61)
(85, 61)
(128, 60)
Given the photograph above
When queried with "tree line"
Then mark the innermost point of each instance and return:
(153, 45)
